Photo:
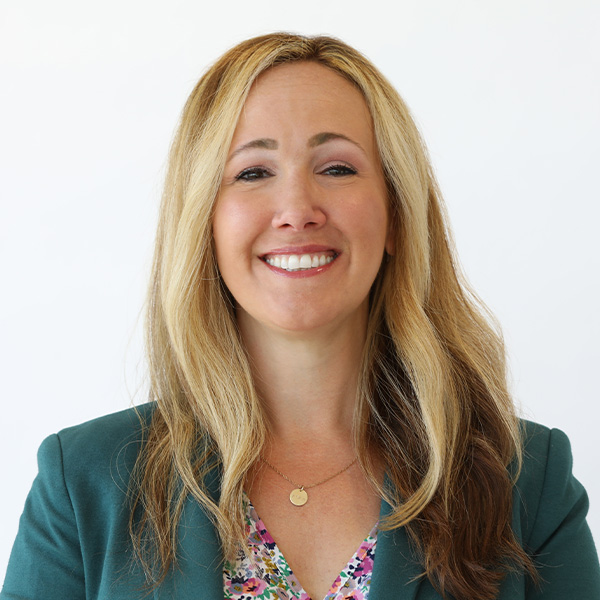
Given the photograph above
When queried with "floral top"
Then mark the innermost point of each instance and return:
(264, 574)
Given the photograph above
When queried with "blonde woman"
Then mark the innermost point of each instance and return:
(329, 415)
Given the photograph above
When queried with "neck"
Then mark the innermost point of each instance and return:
(307, 382)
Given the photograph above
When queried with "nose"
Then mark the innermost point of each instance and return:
(300, 207)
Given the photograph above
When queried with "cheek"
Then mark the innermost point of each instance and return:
(235, 229)
(224, 235)
(370, 222)
(372, 227)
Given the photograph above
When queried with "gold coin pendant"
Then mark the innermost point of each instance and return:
(298, 497)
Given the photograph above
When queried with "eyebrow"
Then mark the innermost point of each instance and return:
(328, 136)
(266, 143)
(315, 140)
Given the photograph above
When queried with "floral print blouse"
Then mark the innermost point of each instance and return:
(265, 574)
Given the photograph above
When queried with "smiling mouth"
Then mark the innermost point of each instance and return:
(300, 262)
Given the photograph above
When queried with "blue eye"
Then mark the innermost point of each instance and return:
(253, 174)
(339, 171)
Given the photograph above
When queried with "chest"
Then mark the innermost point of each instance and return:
(320, 537)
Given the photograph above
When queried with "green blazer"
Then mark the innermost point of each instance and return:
(73, 542)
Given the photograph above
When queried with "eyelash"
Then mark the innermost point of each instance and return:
(343, 170)
(252, 174)
(255, 173)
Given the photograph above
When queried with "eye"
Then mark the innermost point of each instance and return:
(253, 174)
(339, 170)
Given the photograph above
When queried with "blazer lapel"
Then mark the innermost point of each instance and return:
(200, 566)
(395, 570)
(199, 572)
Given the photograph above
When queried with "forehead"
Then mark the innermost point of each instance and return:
(310, 74)
(305, 92)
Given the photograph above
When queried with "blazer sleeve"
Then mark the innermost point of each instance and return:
(46, 560)
(559, 539)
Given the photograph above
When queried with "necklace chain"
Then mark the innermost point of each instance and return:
(312, 485)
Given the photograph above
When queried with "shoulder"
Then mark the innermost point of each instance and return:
(74, 527)
(108, 430)
(546, 454)
(98, 454)
(539, 441)
(94, 440)
(547, 462)
(549, 515)
(545, 479)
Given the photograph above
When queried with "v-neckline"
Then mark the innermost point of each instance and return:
(397, 572)
(266, 551)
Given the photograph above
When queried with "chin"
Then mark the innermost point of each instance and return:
(300, 321)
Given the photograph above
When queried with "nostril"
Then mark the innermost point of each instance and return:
(299, 217)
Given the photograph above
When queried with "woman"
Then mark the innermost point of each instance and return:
(325, 390)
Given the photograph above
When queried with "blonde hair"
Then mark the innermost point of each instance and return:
(432, 395)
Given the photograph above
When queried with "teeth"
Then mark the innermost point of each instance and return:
(299, 262)
(305, 262)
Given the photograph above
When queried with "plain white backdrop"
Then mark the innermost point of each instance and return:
(506, 93)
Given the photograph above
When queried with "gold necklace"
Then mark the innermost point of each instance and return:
(298, 496)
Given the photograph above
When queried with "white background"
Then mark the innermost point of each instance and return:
(507, 95)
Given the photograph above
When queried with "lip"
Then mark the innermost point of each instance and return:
(299, 274)
(306, 249)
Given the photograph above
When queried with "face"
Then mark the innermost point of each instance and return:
(300, 223)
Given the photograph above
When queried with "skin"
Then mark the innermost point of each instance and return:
(291, 187)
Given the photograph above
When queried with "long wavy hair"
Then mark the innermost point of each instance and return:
(432, 396)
